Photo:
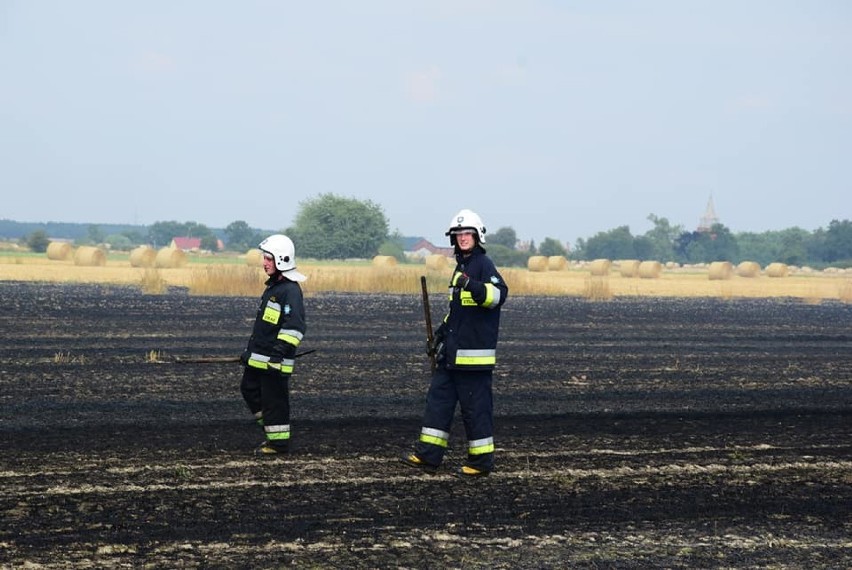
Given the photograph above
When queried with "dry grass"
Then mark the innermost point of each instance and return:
(231, 276)
(597, 288)
(845, 291)
(230, 280)
(152, 282)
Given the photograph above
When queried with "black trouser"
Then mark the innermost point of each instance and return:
(472, 391)
(267, 394)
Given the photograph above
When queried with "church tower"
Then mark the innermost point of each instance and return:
(709, 218)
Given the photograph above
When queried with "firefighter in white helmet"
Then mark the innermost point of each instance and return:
(465, 350)
(270, 355)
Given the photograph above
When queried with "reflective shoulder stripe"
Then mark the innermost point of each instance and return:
(467, 357)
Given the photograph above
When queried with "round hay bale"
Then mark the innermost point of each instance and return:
(384, 261)
(143, 256)
(748, 269)
(437, 262)
(720, 270)
(89, 256)
(537, 263)
(629, 267)
(60, 251)
(600, 267)
(254, 257)
(777, 270)
(650, 269)
(170, 257)
(557, 263)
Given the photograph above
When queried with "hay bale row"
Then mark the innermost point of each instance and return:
(600, 267)
(557, 263)
(59, 251)
(777, 270)
(254, 257)
(629, 267)
(143, 256)
(88, 256)
(437, 262)
(170, 258)
(650, 269)
(748, 269)
(537, 263)
(384, 261)
(720, 270)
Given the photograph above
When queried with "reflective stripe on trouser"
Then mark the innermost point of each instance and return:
(472, 391)
(267, 394)
(277, 433)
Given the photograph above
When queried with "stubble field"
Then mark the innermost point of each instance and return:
(631, 433)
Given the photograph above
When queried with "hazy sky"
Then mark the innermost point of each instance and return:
(557, 118)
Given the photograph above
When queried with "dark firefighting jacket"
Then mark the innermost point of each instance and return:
(470, 329)
(279, 327)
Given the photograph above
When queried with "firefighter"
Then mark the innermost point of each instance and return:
(271, 351)
(464, 348)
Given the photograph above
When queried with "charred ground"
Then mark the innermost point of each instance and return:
(631, 433)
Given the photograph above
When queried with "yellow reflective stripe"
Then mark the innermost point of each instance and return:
(290, 336)
(480, 446)
(492, 295)
(434, 436)
(259, 361)
(277, 433)
(467, 299)
(285, 366)
(476, 357)
(272, 312)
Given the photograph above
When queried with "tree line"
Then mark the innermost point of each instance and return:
(333, 227)
(664, 242)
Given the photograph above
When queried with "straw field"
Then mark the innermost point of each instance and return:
(236, 277)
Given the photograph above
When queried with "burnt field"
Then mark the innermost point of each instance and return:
(631, 433)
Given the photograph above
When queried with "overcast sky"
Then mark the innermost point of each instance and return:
(556, 118)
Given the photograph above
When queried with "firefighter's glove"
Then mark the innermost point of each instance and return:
(244, 357)
(461, 280)
(437, 345)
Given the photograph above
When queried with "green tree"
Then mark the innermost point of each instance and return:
(792, 246)
(210, 242)
(332, 227)
(160, 234)
(838, 241)
(117, 241)
(240, 236)
(613, 244)
(38, 241)
(95, 235)
(503, 236)
(661, 240)
(135, 237)
(550, 247)
(718, 244)
(507, 257)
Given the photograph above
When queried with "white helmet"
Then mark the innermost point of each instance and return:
(467, 220)
(281, 248)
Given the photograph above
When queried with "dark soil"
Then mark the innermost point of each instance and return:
(637, 433)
